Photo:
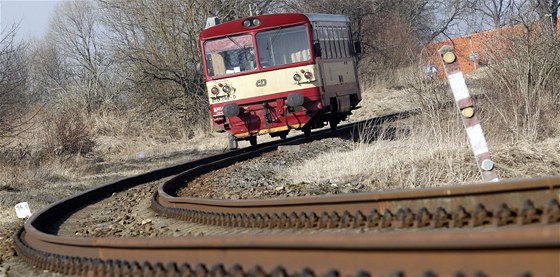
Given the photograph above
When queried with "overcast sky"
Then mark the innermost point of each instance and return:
(32, 16)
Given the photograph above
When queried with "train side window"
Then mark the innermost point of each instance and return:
(321, 38)
(316, 41)
(337, 41)
(341, 42)
(347, 41)
(328, 46)
(332, 42)
(315, 32)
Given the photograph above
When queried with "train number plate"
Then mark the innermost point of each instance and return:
(222, 99)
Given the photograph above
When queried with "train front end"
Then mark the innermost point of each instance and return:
(261, 76)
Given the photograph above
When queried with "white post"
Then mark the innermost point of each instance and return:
(465, 105)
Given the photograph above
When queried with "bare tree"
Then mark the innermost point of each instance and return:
(13, 80)
(523, 75)
(155, 44)
(491, 13)
(47, 68)
(74, 44)
(548, 11)
(358, 11)
(392, 32)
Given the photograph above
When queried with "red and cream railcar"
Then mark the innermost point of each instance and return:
(274, 73)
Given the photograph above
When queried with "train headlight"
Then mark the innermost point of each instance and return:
(251, 22)
(297, 77)
(215, 90)
(226, 89)
(308, 75)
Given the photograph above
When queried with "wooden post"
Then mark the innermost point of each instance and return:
(465, 105)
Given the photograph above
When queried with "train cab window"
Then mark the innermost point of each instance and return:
(229, 55)
(283, 46)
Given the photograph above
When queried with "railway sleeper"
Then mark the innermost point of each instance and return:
(481, 216)
(504, 216)
(423, 219)
(359, 220)
(97, 267)
(552, 212)
(346, 220)
(404, 218)
(374, 219)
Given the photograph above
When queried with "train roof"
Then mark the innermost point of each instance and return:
(314, 17)
(270, 21)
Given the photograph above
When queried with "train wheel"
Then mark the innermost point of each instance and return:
(232, 142)
(307, 132)
(253, 140)
(284, 134)
(333, 123)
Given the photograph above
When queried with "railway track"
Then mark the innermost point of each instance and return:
(503, 229)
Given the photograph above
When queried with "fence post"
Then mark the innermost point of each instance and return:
(465, 105)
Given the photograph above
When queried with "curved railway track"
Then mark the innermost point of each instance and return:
(503, 229)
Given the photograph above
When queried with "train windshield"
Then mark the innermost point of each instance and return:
(283, 46)
(229, 55)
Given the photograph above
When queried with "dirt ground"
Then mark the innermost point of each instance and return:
(272, 175)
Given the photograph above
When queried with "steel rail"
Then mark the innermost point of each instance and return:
(508, 252)
(47, 221)
(515, 202)
(494, 251)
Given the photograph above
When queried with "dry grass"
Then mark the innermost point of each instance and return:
(406, 158)
(33, 169)
(431, 149)
(428, 150)
(417, 161)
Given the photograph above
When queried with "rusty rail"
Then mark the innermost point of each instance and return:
(516, 237)
(508, 252)
(518, 202)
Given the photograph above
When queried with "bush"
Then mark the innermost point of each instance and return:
(13, 82)
(522, 84)
(68, 134)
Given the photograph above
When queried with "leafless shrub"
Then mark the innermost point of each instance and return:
(155, 45)
(68, 134)
(522, 83)
(13, 81)
(438, 115)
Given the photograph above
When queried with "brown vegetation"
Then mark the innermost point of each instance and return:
(13, 82)
(113, 79)
(112, 91)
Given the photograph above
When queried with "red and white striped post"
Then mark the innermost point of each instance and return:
(465, 105)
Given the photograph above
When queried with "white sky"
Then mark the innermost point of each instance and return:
(32, 16)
